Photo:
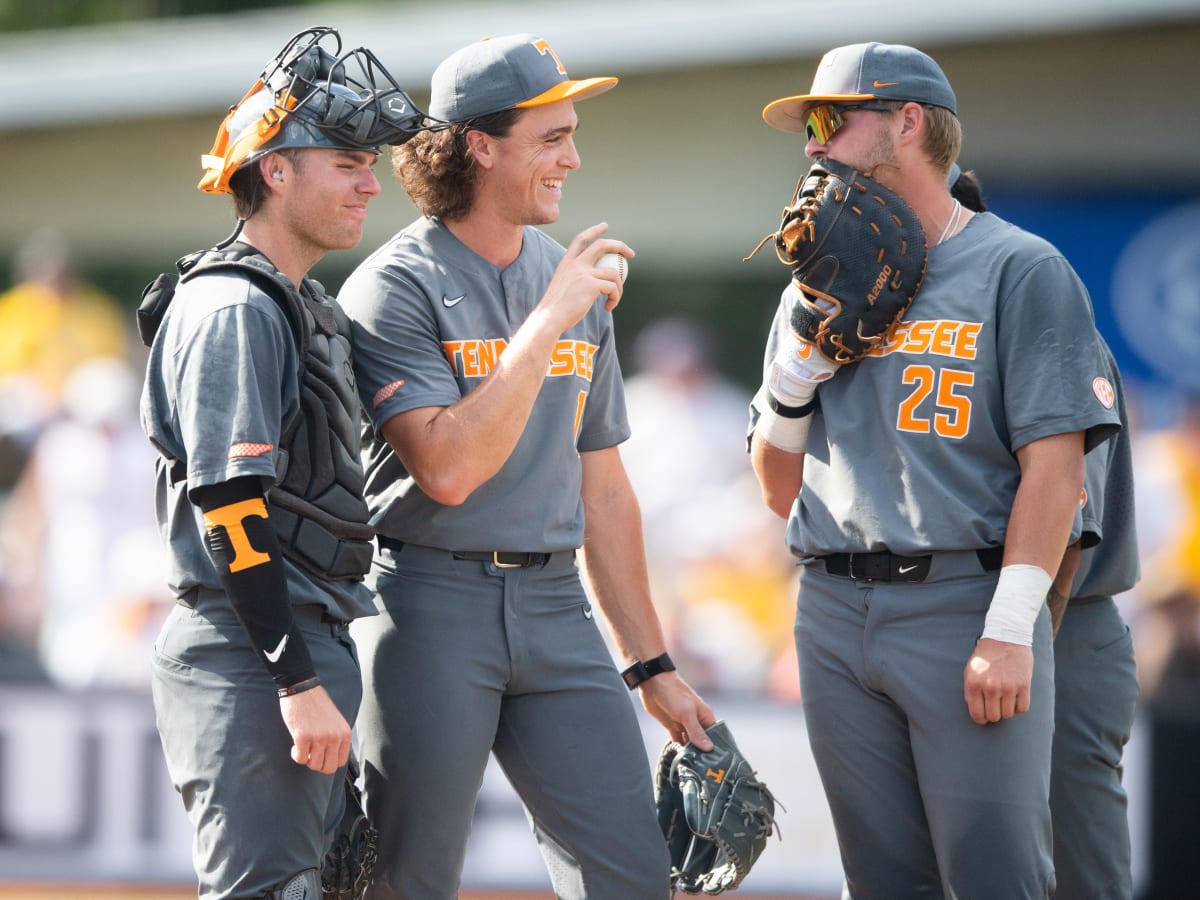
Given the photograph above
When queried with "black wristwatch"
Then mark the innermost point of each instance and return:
(641, 672)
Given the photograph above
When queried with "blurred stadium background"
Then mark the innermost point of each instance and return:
(1078, 117)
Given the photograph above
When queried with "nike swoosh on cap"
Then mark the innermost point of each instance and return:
(273, 656)
(905, 569)
(450, 303)
(879, 84)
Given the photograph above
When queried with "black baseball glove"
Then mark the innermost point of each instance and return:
(857, 252)
(714, 812)
(350, 863)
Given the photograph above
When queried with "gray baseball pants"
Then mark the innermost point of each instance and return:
(1096, 697)
(467, 659)
(258, 817)
(925, 803)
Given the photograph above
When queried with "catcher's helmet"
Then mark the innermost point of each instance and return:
(308, 96)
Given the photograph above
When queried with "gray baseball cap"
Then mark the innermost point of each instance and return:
(495, 74)
(862, 72)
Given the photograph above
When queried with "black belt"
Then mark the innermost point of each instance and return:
(504, 559)
(501, 559)
(885, 566)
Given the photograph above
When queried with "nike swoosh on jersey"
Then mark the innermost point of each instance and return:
(273, 656)
(904, 570)
(451, 302)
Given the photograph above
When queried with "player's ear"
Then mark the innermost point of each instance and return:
(274, 168)
(480, 146)
(912, 116)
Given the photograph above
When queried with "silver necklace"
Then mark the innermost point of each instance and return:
(952, 222)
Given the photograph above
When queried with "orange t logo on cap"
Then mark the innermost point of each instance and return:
(544, 49)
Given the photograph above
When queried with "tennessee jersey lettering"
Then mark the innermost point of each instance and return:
(477, 358)
(474, 358)
(938, 337)
(572, 358)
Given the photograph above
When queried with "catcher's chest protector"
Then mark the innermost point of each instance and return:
(317, 504)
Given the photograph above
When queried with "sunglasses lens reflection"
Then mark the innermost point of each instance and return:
(822, 122)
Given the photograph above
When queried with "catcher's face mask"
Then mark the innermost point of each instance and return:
(822, 122)
(309, 96)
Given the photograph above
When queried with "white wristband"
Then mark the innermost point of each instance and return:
(790, 435)
(1019, 597)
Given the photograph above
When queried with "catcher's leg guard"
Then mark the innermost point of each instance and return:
(305, 885)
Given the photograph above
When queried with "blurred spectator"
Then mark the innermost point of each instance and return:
(79, 546)
(50, 320)
(1168, 613)
(718, 565)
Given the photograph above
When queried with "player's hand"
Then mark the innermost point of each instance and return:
(997, 681)
(577, 283)
(678, 709)
(798, 367)
(320, 733)
(797, 371)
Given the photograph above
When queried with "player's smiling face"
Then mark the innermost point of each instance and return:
(532, 162)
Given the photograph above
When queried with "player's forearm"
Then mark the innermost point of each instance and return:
(624, 601)
(1060, 591)
(780, 475)
(1039, 525)
(459, 447)
(1065, 576)
(245, 550)
(614, 558)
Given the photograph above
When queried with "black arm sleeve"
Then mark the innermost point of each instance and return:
(244, 548)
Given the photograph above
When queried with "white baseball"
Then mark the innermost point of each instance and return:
(615, 261)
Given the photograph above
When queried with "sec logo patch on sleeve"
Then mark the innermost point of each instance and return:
(1104, 392)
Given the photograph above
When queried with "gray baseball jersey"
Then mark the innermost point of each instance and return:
(913, 449)
(430, 319)
(1108, 513)
(226, 367)
(1096, 687)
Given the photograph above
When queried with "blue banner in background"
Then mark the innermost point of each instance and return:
(1139, 256)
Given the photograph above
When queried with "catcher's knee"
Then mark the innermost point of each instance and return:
(304, 885)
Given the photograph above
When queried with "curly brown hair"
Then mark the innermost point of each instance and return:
(437, 169)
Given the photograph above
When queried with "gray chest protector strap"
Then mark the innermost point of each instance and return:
(317, 503)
